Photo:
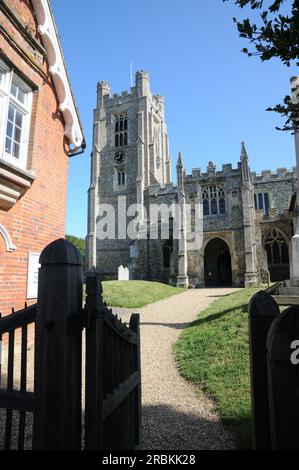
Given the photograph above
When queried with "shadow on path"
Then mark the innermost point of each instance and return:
(164, 428)
(176, 326)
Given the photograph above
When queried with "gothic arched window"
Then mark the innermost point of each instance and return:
(166, 254)
(121, 130)
(214, 209)
(121, 178)
(214, 200)
(266, 203)
(262, 202)
(206, 208)
(222, 205)
(285, 254)
(276, 247)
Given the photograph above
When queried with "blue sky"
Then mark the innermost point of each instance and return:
(215, 96)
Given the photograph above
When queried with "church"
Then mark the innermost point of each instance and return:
(247, 217)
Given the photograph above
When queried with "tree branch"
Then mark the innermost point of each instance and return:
(277, 36)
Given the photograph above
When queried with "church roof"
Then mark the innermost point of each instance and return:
(48, 31)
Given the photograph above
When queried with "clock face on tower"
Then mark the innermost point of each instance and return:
(119, 158)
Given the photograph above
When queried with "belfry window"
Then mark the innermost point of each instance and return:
(262, 202)
(214, 200)
(121, 178)
(121, 130)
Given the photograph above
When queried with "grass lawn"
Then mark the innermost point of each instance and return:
(213, 352)
(136, 294)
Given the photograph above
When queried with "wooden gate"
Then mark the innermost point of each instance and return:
(110, 365)
(274, 338)
(15, 405)
(113, 394)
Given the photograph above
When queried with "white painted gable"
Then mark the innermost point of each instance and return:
(47, 30)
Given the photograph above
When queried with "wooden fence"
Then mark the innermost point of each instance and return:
(274, 337)
(113, 394)
(108, 369)
(19, 401)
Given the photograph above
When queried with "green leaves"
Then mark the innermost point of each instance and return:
(289, 111)
(277, 36)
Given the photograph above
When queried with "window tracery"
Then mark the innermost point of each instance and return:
(214, 200)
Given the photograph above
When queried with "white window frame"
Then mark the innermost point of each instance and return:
(24, 108)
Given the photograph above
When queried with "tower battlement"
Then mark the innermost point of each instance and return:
(139, 90)
(116, 98)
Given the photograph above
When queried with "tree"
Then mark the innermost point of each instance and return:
(79, 243)
(277, 35)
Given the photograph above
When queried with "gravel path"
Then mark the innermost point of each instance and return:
(176, 415)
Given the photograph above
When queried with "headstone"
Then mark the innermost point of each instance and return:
(262, 311)
(123, 274)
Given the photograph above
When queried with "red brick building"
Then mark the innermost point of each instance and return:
(39, 130)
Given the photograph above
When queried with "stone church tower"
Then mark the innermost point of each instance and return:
(247, 226)
(130, 153)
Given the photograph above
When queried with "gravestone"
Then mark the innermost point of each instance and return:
(123, 274)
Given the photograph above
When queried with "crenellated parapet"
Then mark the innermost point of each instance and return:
(269, 176)
(105, 99)
(226, 171)
(141, 89)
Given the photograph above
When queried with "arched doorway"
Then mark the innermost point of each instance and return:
(218, 266)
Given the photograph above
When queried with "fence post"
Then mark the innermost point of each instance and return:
(58, 349)
(284, 380)
(263, 309)
(135, 326)
(94, 365)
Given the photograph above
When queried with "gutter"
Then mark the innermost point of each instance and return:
(79, 152)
